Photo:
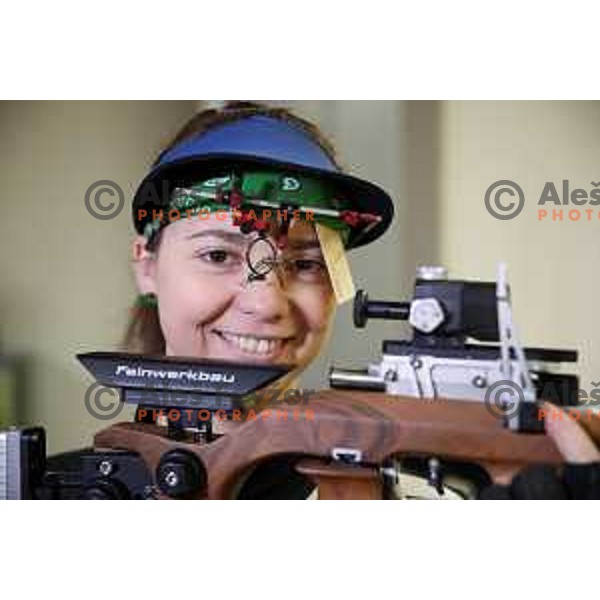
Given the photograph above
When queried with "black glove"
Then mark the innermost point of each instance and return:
(571, 482)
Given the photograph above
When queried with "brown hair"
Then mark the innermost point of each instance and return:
(144, 334)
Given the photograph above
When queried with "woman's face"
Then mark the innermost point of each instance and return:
(209, 309)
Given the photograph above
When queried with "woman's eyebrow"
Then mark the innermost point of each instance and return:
(304, 244)
(240, 238)
(230, 236)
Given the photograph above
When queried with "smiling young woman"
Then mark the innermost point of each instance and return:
(278, 321)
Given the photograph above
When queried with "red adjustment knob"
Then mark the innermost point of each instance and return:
(350, 217)
(241, 217)
(261, 225)
(235, 199)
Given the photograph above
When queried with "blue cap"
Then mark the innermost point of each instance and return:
(251, 142)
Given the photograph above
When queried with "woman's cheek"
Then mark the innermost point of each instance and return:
(317, 309)
(317, 305)
(187, 304)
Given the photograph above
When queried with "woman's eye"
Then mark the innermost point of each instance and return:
(217, 256)
(305, 265)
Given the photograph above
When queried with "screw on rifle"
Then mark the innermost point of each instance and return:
(479, 381)
(391, 375)
(416, 363)
(105, 468)
(181, 474)
(171, 479)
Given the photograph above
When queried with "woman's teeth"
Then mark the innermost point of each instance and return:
(253, 345)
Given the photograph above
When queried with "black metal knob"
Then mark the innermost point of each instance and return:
(361, 302)
(181, 474)
(365, 309)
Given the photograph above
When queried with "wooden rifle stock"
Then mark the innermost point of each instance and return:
(376, 425)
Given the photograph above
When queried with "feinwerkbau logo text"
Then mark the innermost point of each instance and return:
(188, 375)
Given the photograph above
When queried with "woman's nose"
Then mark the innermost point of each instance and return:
(265, 298)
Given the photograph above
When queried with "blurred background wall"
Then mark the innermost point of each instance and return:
(65, 277)
(553, 265)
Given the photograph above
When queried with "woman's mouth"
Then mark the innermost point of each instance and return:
(255, 346)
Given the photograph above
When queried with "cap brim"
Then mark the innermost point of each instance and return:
(362, 195)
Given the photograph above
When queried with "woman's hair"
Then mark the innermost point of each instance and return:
(144, 334)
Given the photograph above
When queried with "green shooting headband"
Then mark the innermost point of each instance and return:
(259, 191)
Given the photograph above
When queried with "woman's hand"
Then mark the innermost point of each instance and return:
(579, 477)
(569, 436)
